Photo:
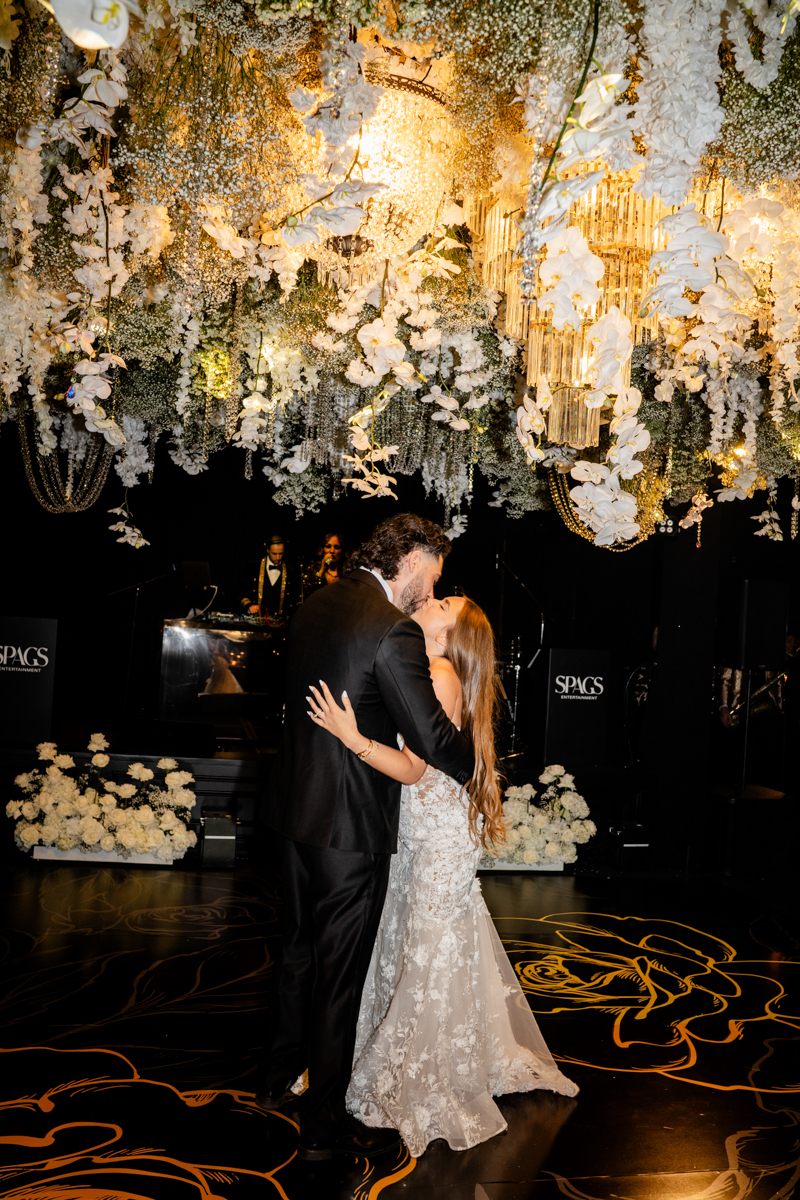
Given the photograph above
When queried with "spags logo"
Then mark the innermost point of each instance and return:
(575, 687)
(31, 658)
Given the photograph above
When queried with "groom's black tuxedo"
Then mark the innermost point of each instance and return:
(339, 820)
(350, 635)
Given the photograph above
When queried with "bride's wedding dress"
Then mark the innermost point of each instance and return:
(443, 1025)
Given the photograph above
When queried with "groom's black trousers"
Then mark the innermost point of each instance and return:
(334, 900)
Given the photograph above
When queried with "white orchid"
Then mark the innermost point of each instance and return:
(559, 197)
(589, 472)
(694, 516)
(94, 24)
(130, 535)
(570, 271)
(530, 417)
(224, 234)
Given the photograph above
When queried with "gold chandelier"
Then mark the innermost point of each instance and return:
(620, 229)
(71, 486)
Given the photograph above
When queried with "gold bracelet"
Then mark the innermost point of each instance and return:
(369, 751)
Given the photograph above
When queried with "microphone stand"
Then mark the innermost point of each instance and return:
(135, 588)
(516, 654)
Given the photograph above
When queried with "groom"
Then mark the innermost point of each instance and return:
(339, 817)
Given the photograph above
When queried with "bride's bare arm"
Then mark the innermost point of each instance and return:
(401, 765)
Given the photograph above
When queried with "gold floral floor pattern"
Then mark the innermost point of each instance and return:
(134, 1011)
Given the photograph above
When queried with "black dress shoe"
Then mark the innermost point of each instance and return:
(277, 1100)
(350, 1138)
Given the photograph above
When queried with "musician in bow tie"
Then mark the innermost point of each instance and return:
(275, 585)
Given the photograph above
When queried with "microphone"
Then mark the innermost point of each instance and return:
(328, 561)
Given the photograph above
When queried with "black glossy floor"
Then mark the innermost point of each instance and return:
(133, 1013)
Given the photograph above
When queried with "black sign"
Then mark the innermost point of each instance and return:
(578, 705)
(27, 671)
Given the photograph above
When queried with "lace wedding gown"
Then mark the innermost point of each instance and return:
(443, 1025)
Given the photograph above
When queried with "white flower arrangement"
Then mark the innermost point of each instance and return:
(547, 832)
(91, 813)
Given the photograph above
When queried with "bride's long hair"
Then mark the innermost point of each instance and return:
(470, 648)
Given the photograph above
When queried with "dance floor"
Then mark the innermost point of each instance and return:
(133, 1014)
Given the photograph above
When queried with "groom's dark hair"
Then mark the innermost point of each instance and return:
(396, 537)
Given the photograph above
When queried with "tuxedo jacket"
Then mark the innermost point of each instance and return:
(271, 594)
(353, 637)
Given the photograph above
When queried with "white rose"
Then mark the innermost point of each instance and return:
(47, 750)
(514, 811)
(30, 810)
(590, 828)
(65, 808)
(182, 798)
(145, 815)
(512, 837)
(169, 821)
(530, 856)
(28, 835)
(13, 808)
(81, 803)
(108, 803)
(108, 842)
(540, 820)
(72, 826)
(546, 777)
(567, 835)
(67, 842)
(555, 769)
(91, 830)
(524, 831)
(22, 781)
(155, 837)
(553, 850)
(64, 761)
(51, 831)
(140, 771)
(167, 764)
(100, 760)
(97, 742)
(127, 836)
(126, 790)
(570, 854)
(566, 781)
(178, 779)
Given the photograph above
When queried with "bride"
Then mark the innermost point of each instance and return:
(443, 1025)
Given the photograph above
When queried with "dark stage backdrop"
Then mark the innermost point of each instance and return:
(67, 566)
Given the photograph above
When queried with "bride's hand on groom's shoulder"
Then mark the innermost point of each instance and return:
(325, 712)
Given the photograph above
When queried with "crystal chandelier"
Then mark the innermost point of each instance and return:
(410, 145)
(620, 228)
(70, 483)
(650, 488)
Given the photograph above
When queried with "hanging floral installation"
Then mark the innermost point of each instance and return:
(556, 244)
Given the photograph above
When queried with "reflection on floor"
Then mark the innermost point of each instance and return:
(133, 1016)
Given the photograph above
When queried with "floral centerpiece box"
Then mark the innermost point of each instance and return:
(543, 836)
(69, 812)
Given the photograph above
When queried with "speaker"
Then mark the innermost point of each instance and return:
(762, 624)
(219, 839)
(195, 574)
